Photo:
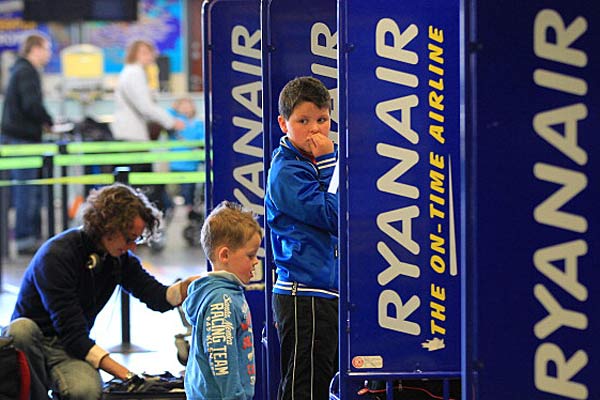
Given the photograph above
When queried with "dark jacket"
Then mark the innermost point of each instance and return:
(23, 113)
(63, 296)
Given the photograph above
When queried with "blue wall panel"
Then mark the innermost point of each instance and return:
(401, 129)
(535, 236)
(235, 133)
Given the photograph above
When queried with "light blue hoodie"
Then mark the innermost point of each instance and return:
(221, 360)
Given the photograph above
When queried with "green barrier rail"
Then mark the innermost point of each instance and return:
(95, 179)
(21, 163)
(39, 149)
(119, 147)
(66, 160)
(158, 178)
(18, 150)
(135, 178)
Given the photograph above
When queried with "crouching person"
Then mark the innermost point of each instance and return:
(68, 282)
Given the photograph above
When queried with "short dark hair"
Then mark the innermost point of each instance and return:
(300, 90)
(112, 209)
(32, 40)
(229, 224)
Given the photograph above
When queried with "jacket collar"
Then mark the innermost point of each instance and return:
(228, 276)
(287, 144)
(90, 245)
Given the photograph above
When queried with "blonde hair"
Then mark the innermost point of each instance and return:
(132, 49)
(229, 224)
(185, 99)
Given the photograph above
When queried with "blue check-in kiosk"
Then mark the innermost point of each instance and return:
(533, 93)
(299, 38)
(401, 173)
(467, 220)
(234, 139)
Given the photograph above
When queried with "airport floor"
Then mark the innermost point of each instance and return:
(152, 332)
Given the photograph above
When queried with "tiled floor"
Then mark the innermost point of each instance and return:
(152, 331)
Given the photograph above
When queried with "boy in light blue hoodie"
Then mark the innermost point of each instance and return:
(221, 361)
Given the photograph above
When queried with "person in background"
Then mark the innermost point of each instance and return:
(303, 217)
(135, 108)
(221, 361)
(184, 109)
(69, 281)
(134, 103)
(24, 118)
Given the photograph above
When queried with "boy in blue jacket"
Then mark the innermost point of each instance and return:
(221, 361)
(303, 217)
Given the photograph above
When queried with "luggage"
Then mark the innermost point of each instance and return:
(13, 364)
(145, 386)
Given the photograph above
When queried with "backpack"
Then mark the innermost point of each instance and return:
(14, 371)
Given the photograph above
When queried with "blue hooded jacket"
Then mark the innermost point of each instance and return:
(194, 130)
(221, 360)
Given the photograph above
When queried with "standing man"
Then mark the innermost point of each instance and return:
(23, 119)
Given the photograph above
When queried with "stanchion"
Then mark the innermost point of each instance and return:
(64, 189)
(122, 176)
(48, 172)
(4, 205)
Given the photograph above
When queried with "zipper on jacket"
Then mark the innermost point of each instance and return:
(294, 288)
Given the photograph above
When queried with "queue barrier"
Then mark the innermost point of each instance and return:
(49, 161)
(68, 154)
(20, 163)
(39, 149)
(135, 178)
(69, 160)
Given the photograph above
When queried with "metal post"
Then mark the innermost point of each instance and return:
(48, 172)
(122, 176)
(64, 189)
(4, 206)
(446, 388)
(389, 388)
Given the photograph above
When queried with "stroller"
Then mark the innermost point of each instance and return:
(191, 233)
(181, 339)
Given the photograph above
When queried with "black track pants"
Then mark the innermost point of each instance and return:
(308, 334)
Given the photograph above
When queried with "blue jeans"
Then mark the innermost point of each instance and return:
(51, 367)
(27, 200)
(187, 190)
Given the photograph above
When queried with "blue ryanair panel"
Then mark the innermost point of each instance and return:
(536, 234)
(301, 40)
(232, 41)
(402, 137)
